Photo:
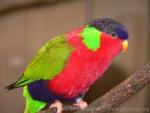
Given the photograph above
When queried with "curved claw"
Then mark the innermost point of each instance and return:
(58, 105)
(81, 104)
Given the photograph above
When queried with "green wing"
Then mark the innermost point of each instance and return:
(47, 63)
(49, 60)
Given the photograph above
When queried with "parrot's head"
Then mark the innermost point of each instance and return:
(112, 29)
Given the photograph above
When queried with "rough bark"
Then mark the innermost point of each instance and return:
(116, 96)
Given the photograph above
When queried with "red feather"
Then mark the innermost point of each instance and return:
(84, 66)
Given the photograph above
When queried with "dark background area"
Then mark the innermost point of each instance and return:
(25, 25)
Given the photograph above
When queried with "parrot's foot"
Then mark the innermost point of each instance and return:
(81, 103)
(58, 105)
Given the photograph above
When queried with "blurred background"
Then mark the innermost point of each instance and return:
(25, 25)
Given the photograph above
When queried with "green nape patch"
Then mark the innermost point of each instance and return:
(91, 37)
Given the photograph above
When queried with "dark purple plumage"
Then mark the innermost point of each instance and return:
(39, 91)
(111, 27)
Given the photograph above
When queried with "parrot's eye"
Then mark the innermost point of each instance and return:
(113, 34)
(111, 27)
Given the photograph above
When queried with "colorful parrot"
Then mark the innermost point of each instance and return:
(67, 65)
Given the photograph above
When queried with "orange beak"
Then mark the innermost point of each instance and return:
(125, 45)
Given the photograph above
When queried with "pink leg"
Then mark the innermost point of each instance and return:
(81, 103)
(57, 104)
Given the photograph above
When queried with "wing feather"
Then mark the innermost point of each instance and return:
(47, 62)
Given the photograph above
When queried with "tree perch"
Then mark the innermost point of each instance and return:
(116, 96)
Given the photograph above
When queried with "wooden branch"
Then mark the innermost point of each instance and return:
(65, 108)
(116, 96)
(122, 92)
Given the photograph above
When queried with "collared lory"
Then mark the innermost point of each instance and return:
(66, 66)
